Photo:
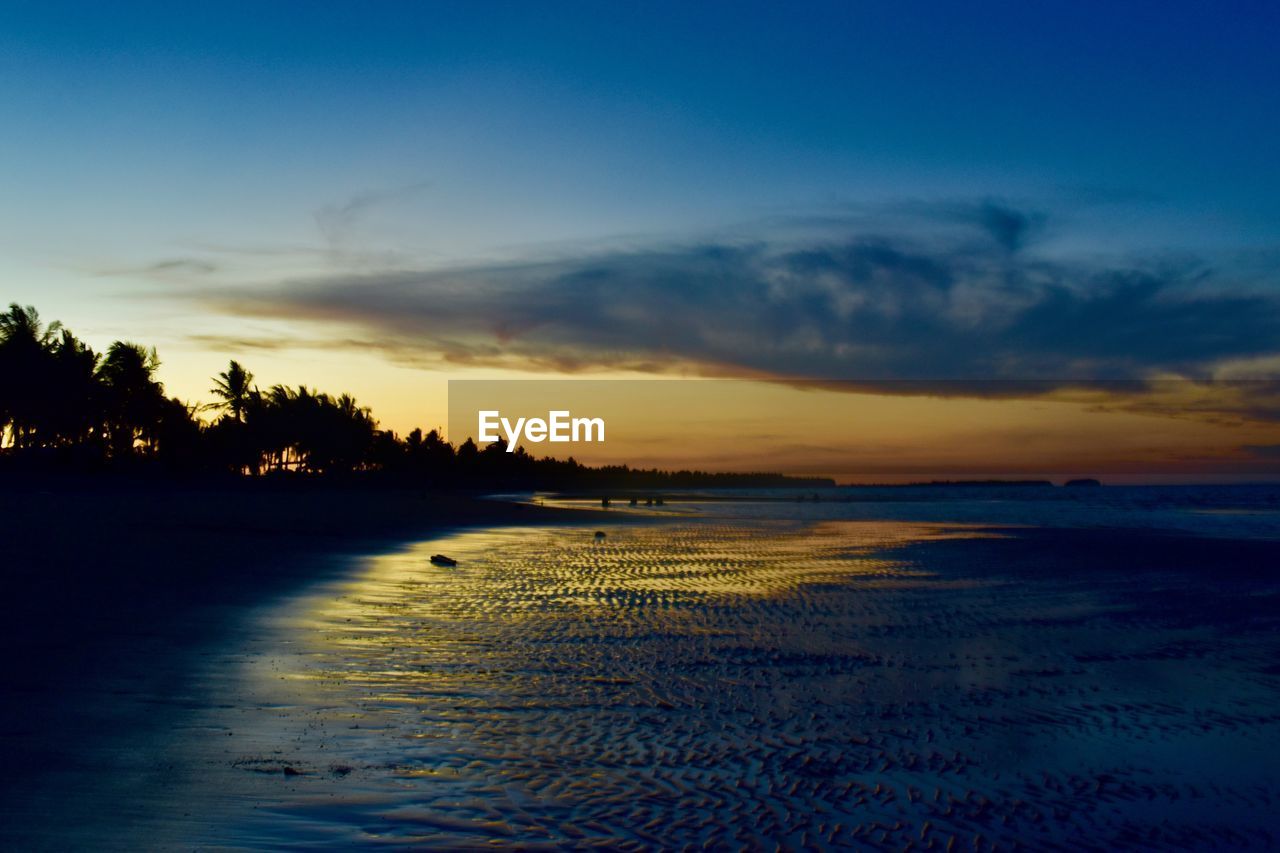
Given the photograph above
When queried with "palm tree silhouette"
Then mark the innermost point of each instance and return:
(24, 373)
(233, 387)
(74, 403)
(63, 404)
(134, 399)
(22, 323)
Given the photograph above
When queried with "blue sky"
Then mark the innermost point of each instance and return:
(194, 177)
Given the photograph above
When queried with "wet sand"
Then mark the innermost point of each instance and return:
(117, 597)
(876, 684)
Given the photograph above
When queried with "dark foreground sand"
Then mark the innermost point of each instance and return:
(113, 593)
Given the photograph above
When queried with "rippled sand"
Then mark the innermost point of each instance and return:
(742, 685)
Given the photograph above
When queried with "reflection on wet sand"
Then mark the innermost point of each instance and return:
(742, 684)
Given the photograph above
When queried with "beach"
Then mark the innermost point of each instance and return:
(118, 591)
(776, 427)
(709, 676)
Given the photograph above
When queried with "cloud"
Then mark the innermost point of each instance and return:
(267, 343)
(1007, 226)
(189, 265)
(923, 305)
(166, 268)
(1263, 451)
(336, 221)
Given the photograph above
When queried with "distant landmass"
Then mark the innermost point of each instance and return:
(954, 483)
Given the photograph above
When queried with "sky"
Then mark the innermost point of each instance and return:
(378, 197)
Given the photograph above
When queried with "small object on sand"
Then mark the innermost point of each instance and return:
(600, 534)
(604, 502)
(633, 502)
(442, 560)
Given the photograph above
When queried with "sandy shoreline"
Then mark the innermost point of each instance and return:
(116, 592)
(748, 684)
(234, 668)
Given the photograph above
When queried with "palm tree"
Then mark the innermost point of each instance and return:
(74, 404)
(349, 433)
(234, 387)
(284, 423)
(23, 324)
(177, 435)
(25, 367)
(134, 399)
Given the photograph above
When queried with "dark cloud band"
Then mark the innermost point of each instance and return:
(971, 305)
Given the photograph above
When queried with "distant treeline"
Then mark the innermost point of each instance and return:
(65, 407)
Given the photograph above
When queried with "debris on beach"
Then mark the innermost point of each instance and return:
(600, 534)
(442, 560)
(268, 766)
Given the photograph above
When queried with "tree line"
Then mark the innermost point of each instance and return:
(64, 406)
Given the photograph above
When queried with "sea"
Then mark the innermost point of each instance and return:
(934, 667)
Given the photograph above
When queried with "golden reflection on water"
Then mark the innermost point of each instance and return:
(535, 621)
(511, 571)
(740, 685)
(412, 630)
(554, 617)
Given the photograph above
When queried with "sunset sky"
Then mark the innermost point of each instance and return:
(376, 198)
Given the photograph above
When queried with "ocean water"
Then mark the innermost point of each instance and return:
(934, 668)
(1231, 511)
